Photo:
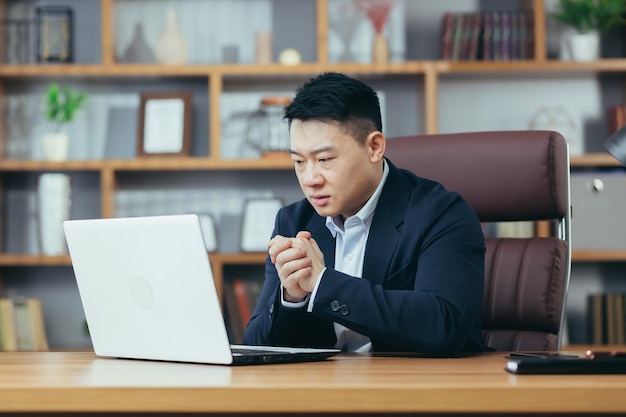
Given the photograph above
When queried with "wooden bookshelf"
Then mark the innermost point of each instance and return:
(425, 76)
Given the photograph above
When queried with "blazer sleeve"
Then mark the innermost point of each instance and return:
(272, 323)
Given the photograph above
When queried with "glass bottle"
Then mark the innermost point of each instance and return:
(267, 131)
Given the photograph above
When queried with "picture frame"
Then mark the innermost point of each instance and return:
(259, 215)
(209, 231)
(164, 126)
(55, 34)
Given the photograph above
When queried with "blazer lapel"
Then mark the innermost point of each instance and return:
(324, 239)
(384, 233)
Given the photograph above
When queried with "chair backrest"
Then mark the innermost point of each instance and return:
(508, 176)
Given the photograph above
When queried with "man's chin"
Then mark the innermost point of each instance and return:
(325, 211)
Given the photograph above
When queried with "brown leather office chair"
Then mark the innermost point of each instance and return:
(508, 176)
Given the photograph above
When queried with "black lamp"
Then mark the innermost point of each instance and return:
(616, 144)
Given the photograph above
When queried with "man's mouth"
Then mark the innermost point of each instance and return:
(319, 200)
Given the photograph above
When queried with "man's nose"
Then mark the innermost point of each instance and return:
(311, 175)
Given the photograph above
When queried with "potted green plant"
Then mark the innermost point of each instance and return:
(587, 21)
(61, 105)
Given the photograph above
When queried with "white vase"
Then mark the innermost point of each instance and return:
(171, 45)
(55, 146)
(380, 49)
(53, 208)
(579, 46)
(263, 47)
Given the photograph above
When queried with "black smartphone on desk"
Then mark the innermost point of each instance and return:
(566, 365)
(540, 355)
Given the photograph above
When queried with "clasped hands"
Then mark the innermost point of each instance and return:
(299, 263)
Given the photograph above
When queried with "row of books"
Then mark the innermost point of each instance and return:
(488, 36)
(240, 297)
(21, 325)
(606, 318)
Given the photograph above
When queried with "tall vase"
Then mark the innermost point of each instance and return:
(377, 11)
(263, 47)
(171, 45)
(53, 208)
(380, 49)
(344, 18)
(138, 51)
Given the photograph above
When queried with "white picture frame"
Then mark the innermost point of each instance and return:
(209, 231)
(258, 220)
(164, 127)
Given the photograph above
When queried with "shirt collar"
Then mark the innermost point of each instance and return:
(366, 214)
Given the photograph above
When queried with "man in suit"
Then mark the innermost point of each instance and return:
(373, 258)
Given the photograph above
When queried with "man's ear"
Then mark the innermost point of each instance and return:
(376, 143)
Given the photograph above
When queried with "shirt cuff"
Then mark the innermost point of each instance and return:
(311, 300)
(289, 304)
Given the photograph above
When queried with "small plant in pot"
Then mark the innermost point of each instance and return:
(61, 105)
(587, 21)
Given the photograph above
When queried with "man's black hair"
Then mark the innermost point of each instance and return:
(334, 96)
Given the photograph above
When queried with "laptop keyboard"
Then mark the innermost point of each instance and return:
(247, 351)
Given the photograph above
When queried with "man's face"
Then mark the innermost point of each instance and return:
(336, 173)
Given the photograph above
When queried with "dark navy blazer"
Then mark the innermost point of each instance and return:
(422, 283)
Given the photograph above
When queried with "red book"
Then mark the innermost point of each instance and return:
(233, 321)
(447, 29)
(466, 36)
(530, 35)
(457, 37)
(487, 54)
(496, 36)
(616, 118)
(505, 36)
(476, 28)
(242, 301)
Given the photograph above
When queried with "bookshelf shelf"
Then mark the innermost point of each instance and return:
(591, 160)
(12, 260)
(614, 255)
(273, 70)
(594, 160)
(525, 66)
(150, 164)
(229, 71)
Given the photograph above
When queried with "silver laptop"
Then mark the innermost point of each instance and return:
(148, 293)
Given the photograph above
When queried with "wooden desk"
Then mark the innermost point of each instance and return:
(80, 382)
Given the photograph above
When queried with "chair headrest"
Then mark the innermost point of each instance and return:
(503, 175)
